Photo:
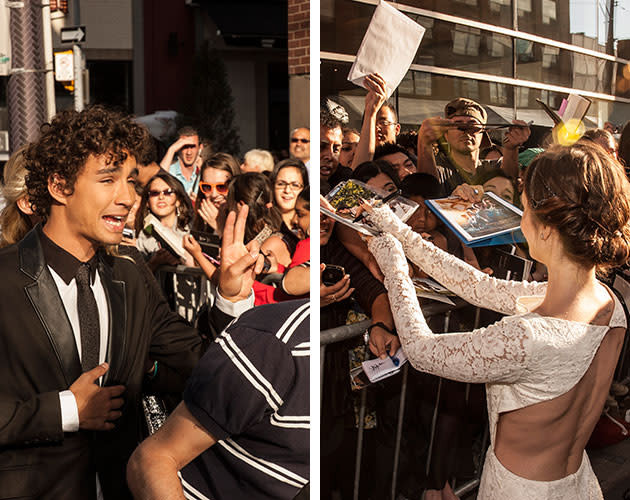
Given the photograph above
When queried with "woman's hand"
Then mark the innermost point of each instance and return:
(192, 246)
(468, 193)
(209, 213)
(329, 294)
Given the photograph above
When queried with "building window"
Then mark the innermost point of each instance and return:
(524, 50)
(495, 5)
(550, 56)
(499, 45)
(522, 97)
(548, 11)
(523, 6)
(498, 93)
(466, 41)
(59, 5)
(468, 2)
(470, 89)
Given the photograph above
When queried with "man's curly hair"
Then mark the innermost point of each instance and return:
(67, 142)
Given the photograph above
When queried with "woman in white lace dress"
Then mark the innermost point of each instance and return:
(548, 365)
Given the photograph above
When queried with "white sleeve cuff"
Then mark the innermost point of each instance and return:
(234, 309)
(69, 412)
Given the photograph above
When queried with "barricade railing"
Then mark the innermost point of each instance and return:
(184, 302)
(345, 332)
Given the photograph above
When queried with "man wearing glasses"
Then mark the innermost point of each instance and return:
(187, 150)
(380, 122)
(300, 145)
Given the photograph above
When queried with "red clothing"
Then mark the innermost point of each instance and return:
(267, 294)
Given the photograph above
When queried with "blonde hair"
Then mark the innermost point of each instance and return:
(14, 223)
(260, 157)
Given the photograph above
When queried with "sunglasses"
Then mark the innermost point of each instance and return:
(165, 192)
(303, 141)
(220, 187)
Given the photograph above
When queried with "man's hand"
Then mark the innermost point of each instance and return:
(240, 263)
(516, 136)
(382, 342)
(209, 213)
(431, 130)
(376, 95)
(333, 293)
(97, 406)
(468, 193)
(187, 140)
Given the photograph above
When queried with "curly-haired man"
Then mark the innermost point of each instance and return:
(79, 328)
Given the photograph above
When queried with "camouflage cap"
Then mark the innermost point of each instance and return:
(466, 107)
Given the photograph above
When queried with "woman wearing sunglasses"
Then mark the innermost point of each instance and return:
(165, 198)
(216, 174)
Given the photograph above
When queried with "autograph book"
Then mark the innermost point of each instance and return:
(492, 221)
(347, 196)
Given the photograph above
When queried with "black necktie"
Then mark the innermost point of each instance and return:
(88, 319)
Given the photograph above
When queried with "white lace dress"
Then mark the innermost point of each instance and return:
(523, 359)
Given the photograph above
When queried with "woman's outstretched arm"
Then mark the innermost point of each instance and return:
(469, 283)
(498, 353)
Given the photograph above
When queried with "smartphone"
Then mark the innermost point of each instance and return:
(332, 274)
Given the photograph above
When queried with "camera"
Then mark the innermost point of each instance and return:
(332, 274)
(128, 233)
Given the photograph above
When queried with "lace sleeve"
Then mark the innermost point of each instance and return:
(472, 285)
(497, 353)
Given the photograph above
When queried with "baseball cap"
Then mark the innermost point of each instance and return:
(466, 107)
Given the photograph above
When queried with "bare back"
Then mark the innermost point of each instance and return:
(545, 441)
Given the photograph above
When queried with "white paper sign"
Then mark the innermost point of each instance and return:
(64, 66)
(388, 47)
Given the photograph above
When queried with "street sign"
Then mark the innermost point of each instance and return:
(64, 66)
(73, 34)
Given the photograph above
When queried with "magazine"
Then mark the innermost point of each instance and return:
(347, 196)
(428, 289)
(166, 236)
(491, 221)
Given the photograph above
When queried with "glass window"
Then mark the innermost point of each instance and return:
(466, 41)
(497, 5)
(548, 11)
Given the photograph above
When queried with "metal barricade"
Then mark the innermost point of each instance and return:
(346, 332)
(188, 302)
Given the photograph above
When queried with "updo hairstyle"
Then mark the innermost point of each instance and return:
(583, 192)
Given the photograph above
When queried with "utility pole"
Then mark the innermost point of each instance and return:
(78, 59)
(609, 75)
(48, 61)
(25, 91)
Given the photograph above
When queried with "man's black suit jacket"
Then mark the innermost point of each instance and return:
(40, 359)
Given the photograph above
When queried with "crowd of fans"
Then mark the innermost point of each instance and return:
(456, 154)
(244, 224)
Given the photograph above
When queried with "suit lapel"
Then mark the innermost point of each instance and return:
(116, 298)
(46, 301)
